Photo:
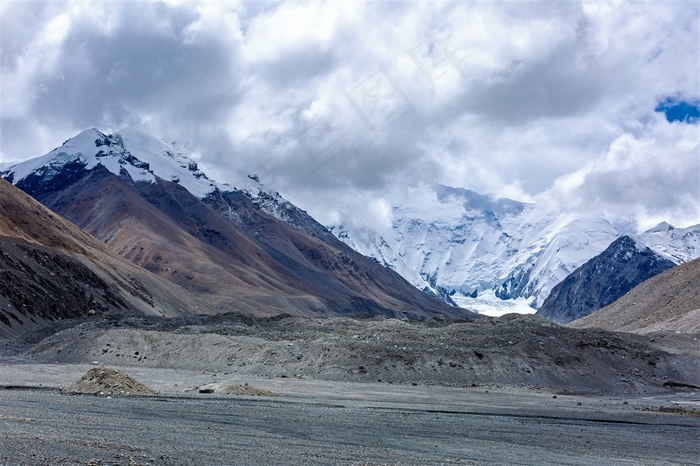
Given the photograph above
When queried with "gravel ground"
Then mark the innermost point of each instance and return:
(329, 422)
(45, 427)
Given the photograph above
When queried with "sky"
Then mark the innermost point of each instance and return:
(585, 106)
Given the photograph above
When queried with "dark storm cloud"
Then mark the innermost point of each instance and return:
(294, 69)
(557, 87)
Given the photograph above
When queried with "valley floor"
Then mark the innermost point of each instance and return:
(326, 422)
(512, 390)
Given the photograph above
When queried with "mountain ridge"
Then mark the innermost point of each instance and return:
(495, 255)
(602, 280)
(490, 255)
(668, 302)
(485, 253)
(161, 212)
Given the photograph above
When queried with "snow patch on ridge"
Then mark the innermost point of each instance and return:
(679, 245)
(144, 157)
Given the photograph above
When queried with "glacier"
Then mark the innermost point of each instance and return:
(495, 255)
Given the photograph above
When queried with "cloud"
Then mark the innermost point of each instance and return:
(107, 65)
(642, 180)
(327, 100)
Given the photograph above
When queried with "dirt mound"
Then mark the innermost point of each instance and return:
(106, 381)
(247, 390)
(235, 389)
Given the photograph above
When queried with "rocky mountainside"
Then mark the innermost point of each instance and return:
(238, 248)
(51, 270)
(602, 280)
(668, 302)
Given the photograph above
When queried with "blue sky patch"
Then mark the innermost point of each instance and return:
(679, 110)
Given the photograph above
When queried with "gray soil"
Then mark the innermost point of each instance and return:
(513, 390)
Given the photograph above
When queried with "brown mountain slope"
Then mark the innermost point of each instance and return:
(113, 210)
(667, 302)
(263, 266)
(50, 269)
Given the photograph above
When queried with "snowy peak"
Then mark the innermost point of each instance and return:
(497, 255)
(661, 227)
(131, 152)
(86, 150)
(679, 245)
(134, 153)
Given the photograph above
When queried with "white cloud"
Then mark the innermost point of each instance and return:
(519, 99)
(642, 180)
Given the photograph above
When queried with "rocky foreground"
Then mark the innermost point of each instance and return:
(512, 350)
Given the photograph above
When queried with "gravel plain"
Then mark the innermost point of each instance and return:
(325, 422)
(508, 391)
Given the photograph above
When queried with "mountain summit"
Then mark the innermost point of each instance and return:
(239, 248)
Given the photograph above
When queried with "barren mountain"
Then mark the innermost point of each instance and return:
(225, 245)
(667, 302)
(51, 269)
(602, 280)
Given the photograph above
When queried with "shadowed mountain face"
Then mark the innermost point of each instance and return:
(323, 264)
(602, 280)
(50, 269)
(668, 302)
(224, 248)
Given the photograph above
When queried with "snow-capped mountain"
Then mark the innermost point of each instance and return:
(495, 255)
(142, 157)
(679, 245)
(491, 255)
(237, 246)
